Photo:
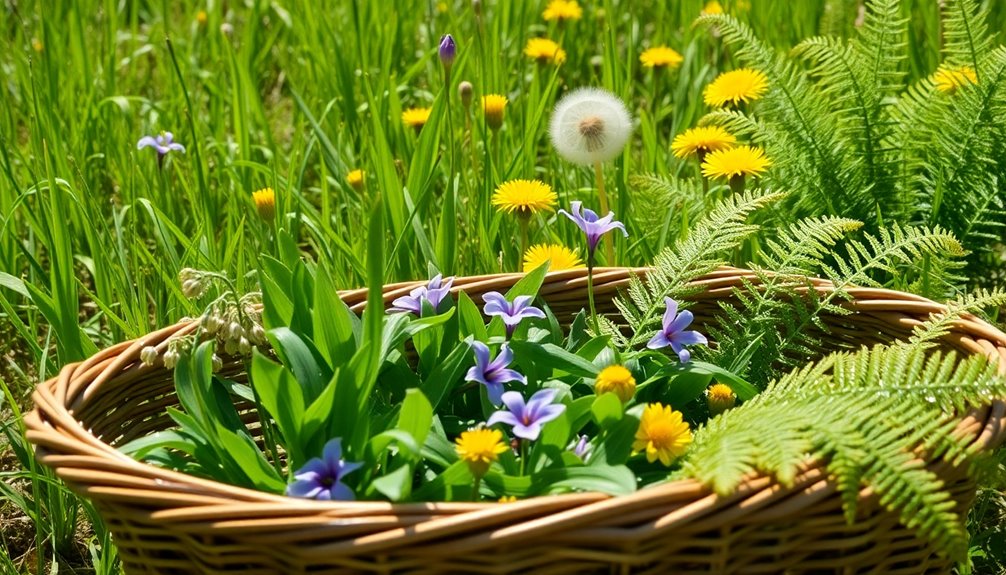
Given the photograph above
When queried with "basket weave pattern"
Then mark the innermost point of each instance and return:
(170, 523)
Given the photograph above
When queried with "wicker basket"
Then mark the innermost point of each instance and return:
(170, 523)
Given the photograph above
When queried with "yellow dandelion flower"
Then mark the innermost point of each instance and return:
(265, 203)
(733, 162)
(618, 380)
(201, 17)
(479, 448)
(948, 79)
(701, 141)
(663, 434)
(508, 499)
(37, 45)
(558, 256)
(493, 106)
(526, 197)
(562, 10)
(720, 398)
(734, 87)
(712, 7)
(660, 57)
(544, 51)
(442, 7)
(416, 117)
(356, 179)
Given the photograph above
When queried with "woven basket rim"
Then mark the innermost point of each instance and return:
(98, 470)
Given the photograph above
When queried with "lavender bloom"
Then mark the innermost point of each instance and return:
(582, 447)
(673, 332)
(593, 226)
(511, 312)
(321, 478)
(493, 374)
(163, 143)
(434, 293)
(448, 50)
(527, 418)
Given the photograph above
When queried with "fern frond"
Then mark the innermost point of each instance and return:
(865, 415)
(966, 39)
(701, 252)
(940, 324)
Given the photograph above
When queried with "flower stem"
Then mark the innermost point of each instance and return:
(590, 296)
(475, 488)
(609, 245)
(523, 455)
(522, 219)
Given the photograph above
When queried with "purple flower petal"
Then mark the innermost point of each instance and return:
(494, 390)
(503, 417)
(529, 432)
(689, 338)
(496, 304)
(679, 323)
(146, 141)
(658, 341)
(339, 492)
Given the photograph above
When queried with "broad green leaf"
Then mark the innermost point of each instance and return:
(606, 409)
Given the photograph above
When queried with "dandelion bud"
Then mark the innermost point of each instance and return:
(218, 363)
(265, 203)
(244, 346)
(170, 359)
(226, 28)
(493, 106)
(720, 398)
(477, 7)
(356, 179)
(201, 17)
(148, 355)
(465, 93)
(448, 51)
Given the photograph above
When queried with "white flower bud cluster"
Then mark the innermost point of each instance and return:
(194, 283)
(236, 327)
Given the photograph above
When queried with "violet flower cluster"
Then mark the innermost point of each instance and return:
(674, 334)
(433, 293)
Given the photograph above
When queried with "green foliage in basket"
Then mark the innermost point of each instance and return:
(870, 416)
(385, 397)
(842, 127)
(771, 326)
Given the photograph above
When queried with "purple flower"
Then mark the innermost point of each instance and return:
(163, 143)
(582, 447)
(511, 312)
(448, 50)
(321, 478)
(493, 374)
(593, 226)
(673, 332)
(527, 418)
(434, 292)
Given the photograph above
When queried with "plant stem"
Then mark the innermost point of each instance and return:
(609, 245)
(590, 295)
(523, 220)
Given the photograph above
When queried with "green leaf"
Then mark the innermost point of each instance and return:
(283, 398)
(447, 374)
(472, 323)
(395, 485)
(416, 416)
(333, 322)
(606, 409)
(554, 357)
(302, 359)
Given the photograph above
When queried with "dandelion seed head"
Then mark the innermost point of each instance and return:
(590, 125)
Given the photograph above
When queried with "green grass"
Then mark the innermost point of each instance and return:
(292, 95)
